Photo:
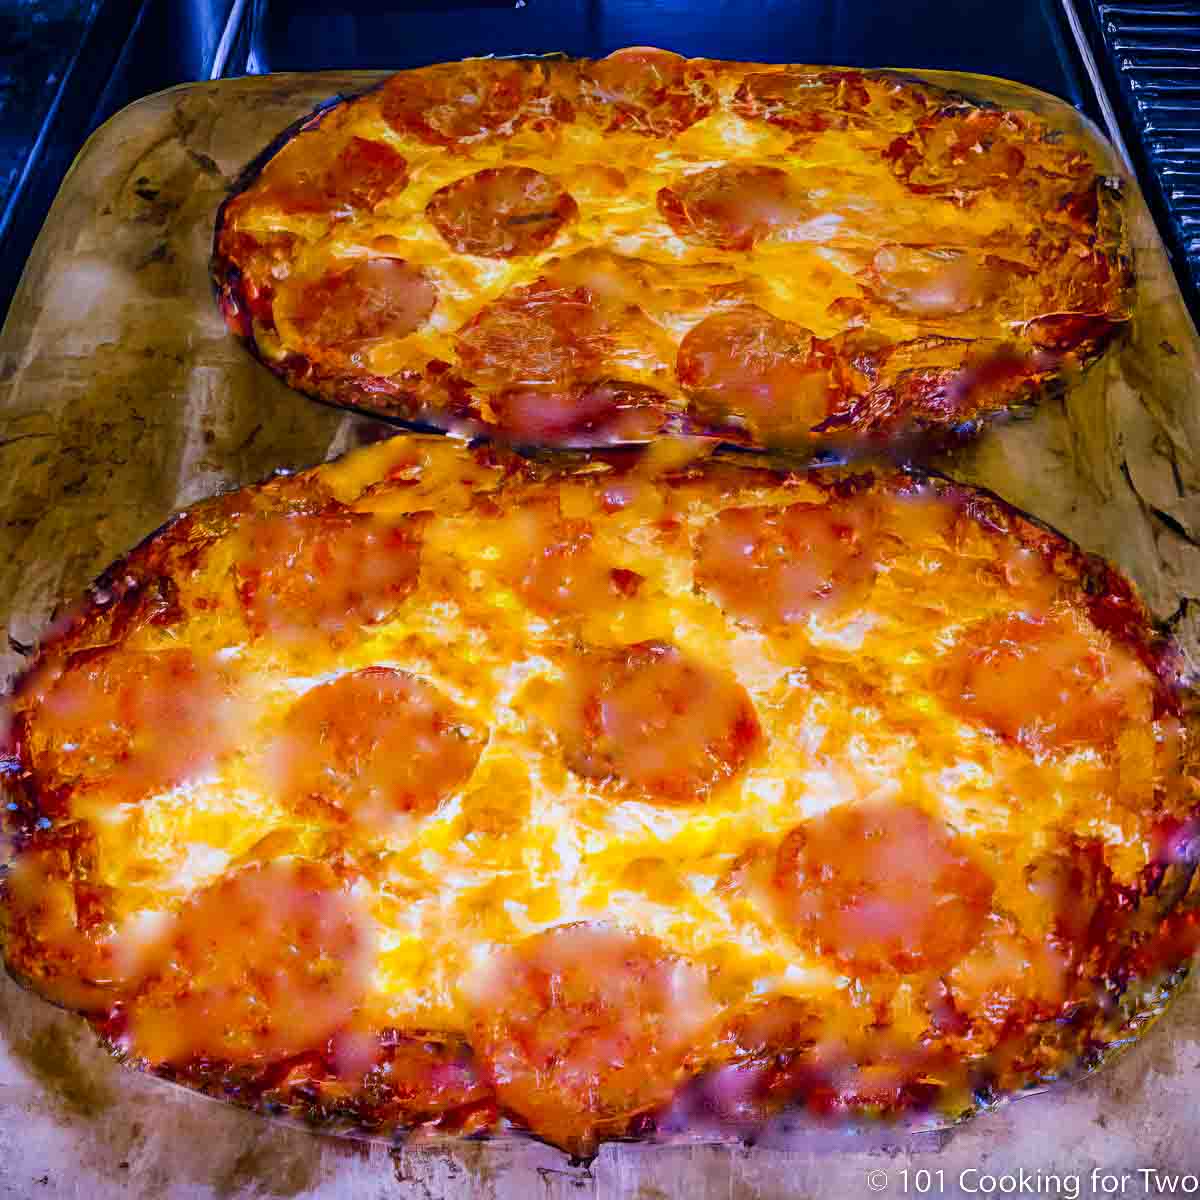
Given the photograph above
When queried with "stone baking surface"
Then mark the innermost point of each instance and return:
(122, 399)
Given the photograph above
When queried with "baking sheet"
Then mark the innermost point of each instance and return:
(122, 399)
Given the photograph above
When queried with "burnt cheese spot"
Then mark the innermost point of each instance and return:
(958, 153)
(260, 261)
(808, 103)
(802, 101)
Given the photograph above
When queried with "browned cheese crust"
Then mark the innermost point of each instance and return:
(442, 788)
(567, 252)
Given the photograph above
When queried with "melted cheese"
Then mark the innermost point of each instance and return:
(847, 701)
(835, 236)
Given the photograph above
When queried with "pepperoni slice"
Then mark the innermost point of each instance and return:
(1046, 682)
(457, 102)
(262, 964)
(772, 567)
(537, 335)
(810, 102)
(959, 153)
(749, 365)
(551, 562)
(654, 720)
(306, 573)
(607, 411)
(735, 205)
(362, 174)
(803, 101)
(926, 282)
(583, 1027)
(374, 745)
(350, 307)
(647, 91)
(1008, 976)
(1079, 936)
(367, 172)
(878, 886)
(501, 212)
(138, 722)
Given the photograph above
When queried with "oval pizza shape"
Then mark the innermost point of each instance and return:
(501, 212)
(475, 246)
(449, 787)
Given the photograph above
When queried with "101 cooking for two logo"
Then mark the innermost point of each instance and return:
(1067, 1185)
